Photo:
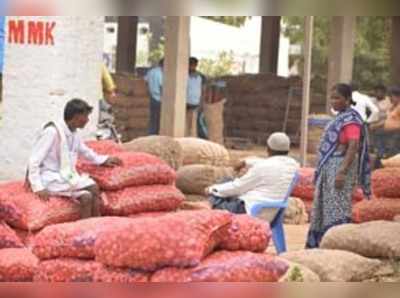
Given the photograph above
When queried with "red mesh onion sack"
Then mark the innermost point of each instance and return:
(73, 240)
(105, 147)
(22, 209)
(9, 238)
(181, 239)
(386, 183)
(305, 187)
(25, 236)
(245, 233)
(150, 214)
(17, 265)
(228, 267)
(75, 270)
(132, 200)
(376, 209)
(137, 169)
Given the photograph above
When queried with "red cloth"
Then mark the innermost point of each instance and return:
(350, 132)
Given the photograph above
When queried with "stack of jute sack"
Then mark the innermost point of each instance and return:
(142, 236)
(185, 246)
(385, 204)
(204, 164)
(131, 107)
(199, 163)
(305, 189)
(144, 183)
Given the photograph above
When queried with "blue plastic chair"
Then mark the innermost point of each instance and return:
(278, 233)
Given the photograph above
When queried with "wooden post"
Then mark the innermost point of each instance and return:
(126, 44)
(341, 51)
(176, 69)
(269, 51)
(309, 23)
(396, 49)
(156, 25)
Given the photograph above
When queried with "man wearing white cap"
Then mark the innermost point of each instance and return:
(266, 179)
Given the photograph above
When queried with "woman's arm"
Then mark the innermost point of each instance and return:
(351, 154)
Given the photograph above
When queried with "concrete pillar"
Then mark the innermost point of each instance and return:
(341, 51)
(269, 51)
(126, 43)
(48, 61)
(173, 107)
(396, 49)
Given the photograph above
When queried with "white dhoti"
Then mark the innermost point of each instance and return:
(56, 185)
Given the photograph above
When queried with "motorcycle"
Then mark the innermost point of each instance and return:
(106, 129)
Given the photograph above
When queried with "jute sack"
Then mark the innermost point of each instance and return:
(335, 265)
(296, 213)
(190, 206)
(299, 273)
(376, 239)
(194, 179)
(166, 148)
(393, 162)
(198, 151)
(196, 198)
(214, 114)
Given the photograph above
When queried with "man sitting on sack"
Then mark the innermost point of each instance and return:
(52, 165)
(265, 179)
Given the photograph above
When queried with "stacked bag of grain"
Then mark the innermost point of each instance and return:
(22, 209)
(166, 148)
(198, 151)
(152, 239)
(17, 263)
(204, 164)
(143, 183)
(197, 246)
(305, 189)
(147, 248)
(385, 204)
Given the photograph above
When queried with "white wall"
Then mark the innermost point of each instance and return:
(40, 79)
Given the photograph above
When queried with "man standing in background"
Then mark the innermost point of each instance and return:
(194, 92)
(379, 136)
(154, 79)
(364, 106)
(392, 123)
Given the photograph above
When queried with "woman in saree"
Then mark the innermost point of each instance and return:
(343, 164)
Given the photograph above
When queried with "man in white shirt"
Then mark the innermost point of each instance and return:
(363, 104)
(52, 165)
(266, 179)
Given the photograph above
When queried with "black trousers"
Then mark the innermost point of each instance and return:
(233, 205)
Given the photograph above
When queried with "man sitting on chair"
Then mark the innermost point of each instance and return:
(265, 180)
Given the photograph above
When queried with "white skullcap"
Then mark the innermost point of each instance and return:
(279, 141)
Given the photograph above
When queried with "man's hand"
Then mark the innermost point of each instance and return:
(238, 166)
(112, 162)
(43, 195)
